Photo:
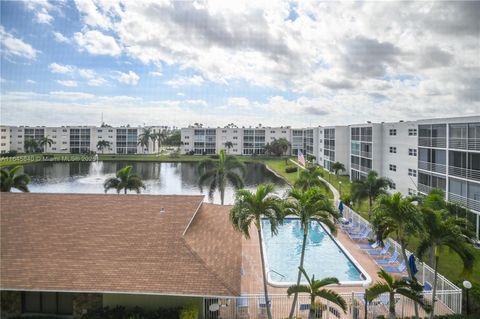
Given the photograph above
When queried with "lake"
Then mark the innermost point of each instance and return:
(159, 178)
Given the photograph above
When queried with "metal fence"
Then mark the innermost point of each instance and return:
(254, 307)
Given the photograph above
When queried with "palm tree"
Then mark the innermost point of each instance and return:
(398, 216)
(124, 180)
(314, 290)
(228, 146)
(309, 177)
(217, 173)
(10, 179)
(251, 208)
(44, 141)
(160, 137)
(441, 231)
(410, 289)
(336, 167)
(370, 188)
(145, 137)
(308, 205)
(101, 145)
(30, 145)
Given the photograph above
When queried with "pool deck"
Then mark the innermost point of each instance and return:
(252, 282)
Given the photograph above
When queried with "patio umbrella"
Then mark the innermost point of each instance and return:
(411, 264)
(340, 207)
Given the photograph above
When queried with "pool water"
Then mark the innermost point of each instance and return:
(323, 255)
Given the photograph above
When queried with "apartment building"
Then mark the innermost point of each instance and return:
(333, 146)
(79, 139)
(244, 141)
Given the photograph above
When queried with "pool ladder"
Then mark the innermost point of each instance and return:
(283, 276)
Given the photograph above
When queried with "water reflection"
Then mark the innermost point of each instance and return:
(159, 178)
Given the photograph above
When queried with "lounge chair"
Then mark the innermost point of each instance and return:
(389, 261)
(369, 246)
(427, 287)
(351, 227)
(380, 252)
(401, 268)
(361, 230)
(363, 236)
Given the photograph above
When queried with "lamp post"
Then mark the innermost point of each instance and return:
(340, 187)
(467, 285)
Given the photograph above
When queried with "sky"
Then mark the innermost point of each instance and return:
(297, 63)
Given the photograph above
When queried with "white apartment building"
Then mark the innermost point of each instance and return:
(79, 139)
(244, 141)
(333, 146)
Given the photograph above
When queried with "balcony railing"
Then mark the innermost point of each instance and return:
(432, 141)
(464, 172)
(432, 167)
(365, 169)
(355, 166)
(425, 189)
(464, 201)
(366, 138)
(366, 154)
(464, 143)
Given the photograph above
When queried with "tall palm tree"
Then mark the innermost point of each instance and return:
(217, 173)
(370, 188)
(160, 137)
(410, 289)
(398, 216)
(251, 208)
(337, 167)
(314, 289)
(125, 180)
(441, 231)
(30, 145)
(308, 205)
(102, 145)
(228, 146)
(309, 178)
(145, 137)
(10, 179)
(44, 141)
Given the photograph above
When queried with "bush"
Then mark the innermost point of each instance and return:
(10, 154)
(216, 156)
(291, 169)
(346, 199)
(189, 312)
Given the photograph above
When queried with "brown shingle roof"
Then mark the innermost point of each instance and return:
(117, 243)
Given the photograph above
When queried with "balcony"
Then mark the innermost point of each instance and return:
(432, 167)
(464, 201)
(366, 138)
(355, 166)
(425, 189)
(432, 142)
(464, 143)
(365, 169)
(464, 172)
(366, 154)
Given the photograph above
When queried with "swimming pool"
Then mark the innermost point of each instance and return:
(324, 256)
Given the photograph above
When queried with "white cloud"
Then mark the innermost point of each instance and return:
(155, 73)
(97, 82)
(63, 95)
(86, 73)
(30, 82)
(92, 15)
(195, 80)
(60, 37)
(17, 47)
(62, 69)
(241, 102)
(68, 83)
(130, 78)
(41, 9)
(97, 43)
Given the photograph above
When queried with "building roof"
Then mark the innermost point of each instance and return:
(118, 243)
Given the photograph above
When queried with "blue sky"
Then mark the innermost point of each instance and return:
(276, 63)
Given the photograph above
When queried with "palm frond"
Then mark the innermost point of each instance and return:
(332, 296)
(295, 289)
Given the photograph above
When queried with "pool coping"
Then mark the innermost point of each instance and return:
(360, 283)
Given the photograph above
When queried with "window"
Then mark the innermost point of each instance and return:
(110, 131)
(4, 144)
(284, 132)
(393, 132)
(393, 186)
(272, 132)
(64, 131)
(412, 191)
(393, 168)
(20, 136)
(4, 137)
(235, 137)
(99, 131)
(412, 152)
(412, 132)
(47, 303)
(412, 172)
(4, 130)
(393, 149)
(224, 131)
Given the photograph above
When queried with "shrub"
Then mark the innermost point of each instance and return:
(189, 312)
(216, 156)
(346, 199)
(291, 169)
(11, 153)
